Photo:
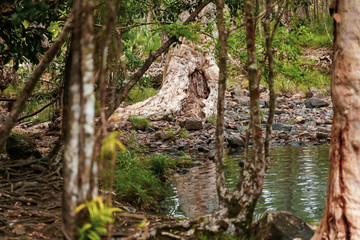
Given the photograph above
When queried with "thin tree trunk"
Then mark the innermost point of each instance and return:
(270, 56)
(19, 105)
(242, 204)
(341, 219)
(79, 143)
(219, 134)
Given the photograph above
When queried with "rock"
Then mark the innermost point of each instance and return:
(315, 103)
(281, 127)
(236, 141)
(193, 124)
(242, 100)
(163, 136)
(322, 135)
(279, 111)
(240, 93)
(281, 225)
(299, 119)
(19, 146)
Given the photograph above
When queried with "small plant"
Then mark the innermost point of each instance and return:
(140, 123)
(99, 216)
(184, 133)
(212, 119)
(160, 164)
(171, 133)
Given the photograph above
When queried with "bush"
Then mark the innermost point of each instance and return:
(140, 123)
(160, 164)
(135, 182)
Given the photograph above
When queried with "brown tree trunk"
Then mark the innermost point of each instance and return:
(251, 180)
(19, 105)
(79, 142)
(341, 219)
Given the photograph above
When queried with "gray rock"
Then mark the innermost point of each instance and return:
(193, 124)
(279, 111)
(242, 100)
(315, 103)
(240, 93)
(19, 146)
(236, 141)
(281, 127)
(281, 225)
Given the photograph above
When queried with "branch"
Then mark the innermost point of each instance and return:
(38, 111)
(19, 105)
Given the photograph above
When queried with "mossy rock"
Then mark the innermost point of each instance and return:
(19, 146)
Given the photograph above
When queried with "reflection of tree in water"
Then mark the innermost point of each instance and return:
(197, 190)
(295, 181)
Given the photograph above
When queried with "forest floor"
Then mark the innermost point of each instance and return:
(31, 190)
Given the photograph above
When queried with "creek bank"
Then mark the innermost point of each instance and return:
(296, 123)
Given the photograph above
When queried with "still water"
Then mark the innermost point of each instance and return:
(296, 181)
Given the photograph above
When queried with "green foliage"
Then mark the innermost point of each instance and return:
(183, 133)
(135, 182)
(139, 94)
(140, 123)
(111, 144)
(160, 164)
(171, 133)
(190, 32)
(212, 119)
(99, 216)
(23, 28)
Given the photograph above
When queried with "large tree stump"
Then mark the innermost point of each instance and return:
(189, 88)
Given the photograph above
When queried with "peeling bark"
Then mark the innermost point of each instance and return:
(341, 219)
(153, 56)
(79, 169)
(190, 78)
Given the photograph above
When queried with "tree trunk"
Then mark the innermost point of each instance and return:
(189, 87)
(242, 204)
(153, 56)
(219, 134)
(79, 143)
(341, 219)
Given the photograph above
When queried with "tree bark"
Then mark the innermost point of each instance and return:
(79, 142)
(153, 56)
(219, 133)
(242, 204)
(341, 219)
(19, 105)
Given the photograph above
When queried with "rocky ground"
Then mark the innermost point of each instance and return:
(298, 120)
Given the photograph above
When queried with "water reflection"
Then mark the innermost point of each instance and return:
(296, 181)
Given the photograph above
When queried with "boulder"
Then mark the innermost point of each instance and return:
(19, 146)
(193, 124)
(281, 225)
(236, 141)
(315, 103)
